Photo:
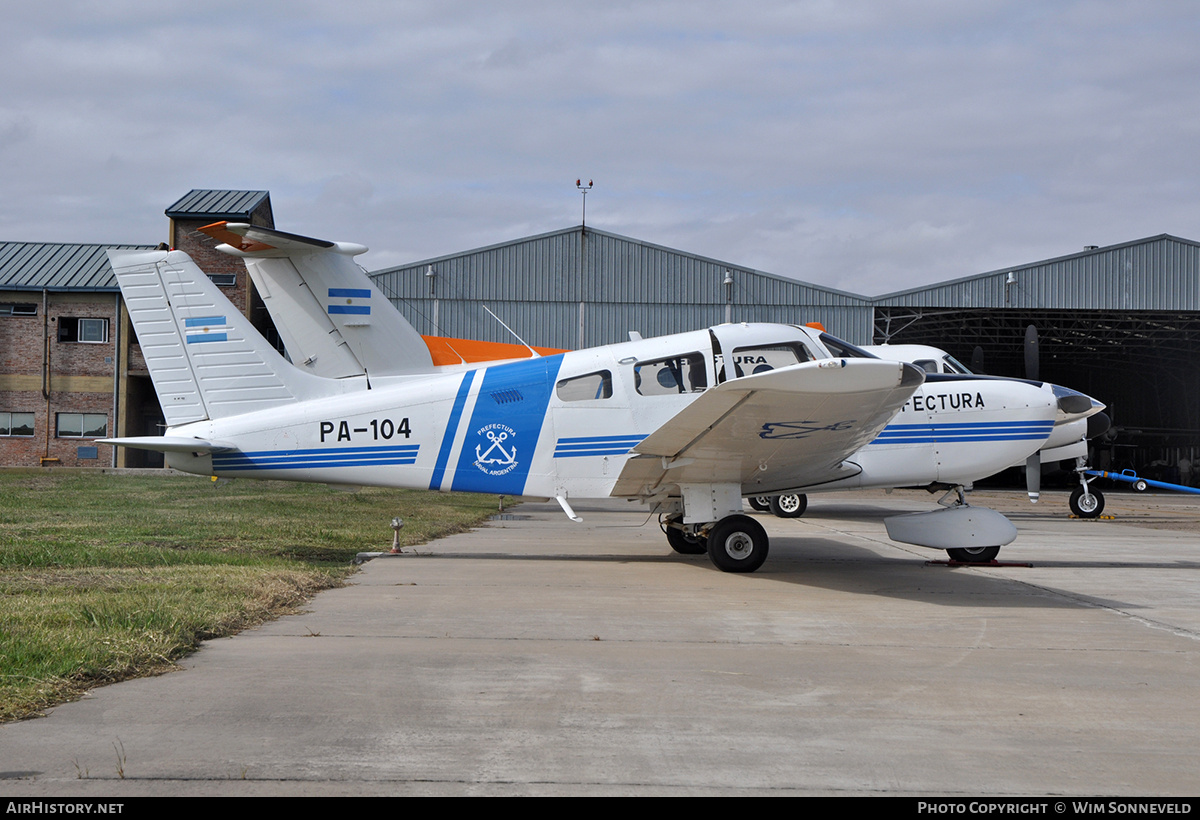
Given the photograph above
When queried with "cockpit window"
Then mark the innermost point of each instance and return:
(665, 377)
(587, 387)
(844, 350)
(928, 365)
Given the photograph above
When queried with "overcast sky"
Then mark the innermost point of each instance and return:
(868, 146)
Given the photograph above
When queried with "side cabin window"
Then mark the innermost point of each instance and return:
(588, 387)
(672, 376)
(750, 360)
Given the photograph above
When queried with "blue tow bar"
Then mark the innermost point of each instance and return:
(1130, 477)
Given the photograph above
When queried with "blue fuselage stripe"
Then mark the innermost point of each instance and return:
(460, 401)
(573, 447)
(312, 459)
(506, 423)
(964, 432)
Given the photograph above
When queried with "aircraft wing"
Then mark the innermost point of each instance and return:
(773, 431)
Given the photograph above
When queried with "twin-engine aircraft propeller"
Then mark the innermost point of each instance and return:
(1070, 403)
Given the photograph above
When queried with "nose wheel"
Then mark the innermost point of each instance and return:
(1086, 502)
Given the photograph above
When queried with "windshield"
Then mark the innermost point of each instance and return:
(843, 349)
(955, 366)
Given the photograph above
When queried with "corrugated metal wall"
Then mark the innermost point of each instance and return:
(572, 289)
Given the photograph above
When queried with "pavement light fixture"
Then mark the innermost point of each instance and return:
(397, 525)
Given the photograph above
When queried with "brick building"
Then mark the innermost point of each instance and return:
(71, 370)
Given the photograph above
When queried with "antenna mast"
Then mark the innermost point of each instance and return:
(583, 189)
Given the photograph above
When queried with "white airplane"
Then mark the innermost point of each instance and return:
(657, 420)
(1078, 419)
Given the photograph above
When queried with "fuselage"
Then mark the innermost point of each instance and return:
(566, 424)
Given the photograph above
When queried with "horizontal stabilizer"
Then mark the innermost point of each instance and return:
(251, 240)
(169, 444)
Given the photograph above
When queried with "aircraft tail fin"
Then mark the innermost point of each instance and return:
(205, 358)
(333, 320)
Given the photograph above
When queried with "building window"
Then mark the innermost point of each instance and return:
(88, 331)
(18, 309)
(82, 425)
(223, 280)
(16, 424)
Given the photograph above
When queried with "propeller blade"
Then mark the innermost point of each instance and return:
(977, 360)
(1033, 477)
(1098, 425)
(1032, 369)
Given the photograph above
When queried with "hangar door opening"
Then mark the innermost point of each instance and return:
(1144, 365)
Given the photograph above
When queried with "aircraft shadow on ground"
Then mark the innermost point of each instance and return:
(833, 565)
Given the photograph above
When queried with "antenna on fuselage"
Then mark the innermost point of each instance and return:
(533, 353)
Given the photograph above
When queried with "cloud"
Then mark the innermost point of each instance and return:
(854, 145)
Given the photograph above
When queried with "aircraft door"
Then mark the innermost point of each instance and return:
(592, 425)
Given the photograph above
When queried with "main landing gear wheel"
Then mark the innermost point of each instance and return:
(1087, 503)
(762, 503)
(973, 555)
(737, 543)
(682, 542)
(789, 506)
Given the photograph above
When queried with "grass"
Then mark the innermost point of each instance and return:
(105, 577)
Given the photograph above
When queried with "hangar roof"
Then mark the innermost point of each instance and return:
(544, 247)
(1157, 273)
(579, 287)
(217, 204)
(58, 266)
